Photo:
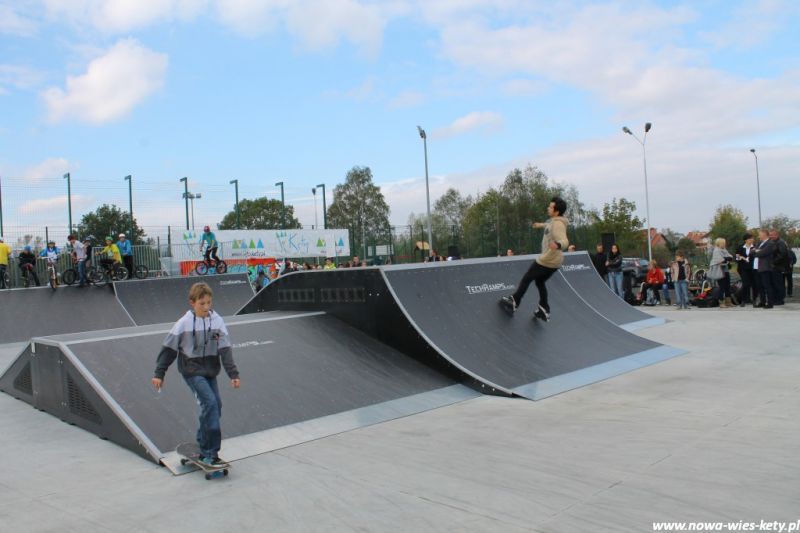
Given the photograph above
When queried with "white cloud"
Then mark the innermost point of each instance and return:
(112, 85)
(19, 77)
(483, 121)
(752, 23)
(407, 99)
(14, 23)
(317, 24)
(120, 16)
(56, 203)
(49, 168)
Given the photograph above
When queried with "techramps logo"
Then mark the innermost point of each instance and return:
(488, 287)
(232, 282)
(575, 268)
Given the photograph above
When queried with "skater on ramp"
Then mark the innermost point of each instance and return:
(554, 242)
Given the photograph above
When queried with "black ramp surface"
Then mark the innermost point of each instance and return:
(42, 311)
(161, 300)
(292, 370)
(454, 305)
(581, 274)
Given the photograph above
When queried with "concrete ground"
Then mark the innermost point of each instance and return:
(709, 436)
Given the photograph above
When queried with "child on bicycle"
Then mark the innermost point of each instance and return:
(210, 239)
(51, 256)
(109, 255)
(200, 342)
(27, 264)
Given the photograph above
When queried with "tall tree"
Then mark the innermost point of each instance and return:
(449, 212)
(358, 205)
(110, 220)
(618, 217)
(782, 223)
(260, 213)
(730, 224)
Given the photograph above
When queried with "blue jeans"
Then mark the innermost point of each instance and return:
(682, 293)
(615, 279)
(209, 434)
(82, 272)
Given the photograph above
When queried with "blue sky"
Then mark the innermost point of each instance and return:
(300, 91)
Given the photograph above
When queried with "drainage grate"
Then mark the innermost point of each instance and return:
(23, 381)
(79, 405)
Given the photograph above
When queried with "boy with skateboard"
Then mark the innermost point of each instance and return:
(554, 242)
(200, 342)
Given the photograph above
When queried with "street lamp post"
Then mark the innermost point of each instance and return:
(324, 208)
(236, 186)
(69, 199)
(186, 199)
(758, 187)
(424, 138)
(314, 192)
(643, 142)
(283, 206)
(130, 204)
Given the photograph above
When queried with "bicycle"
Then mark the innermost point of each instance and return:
(141, 271)
(71, 275)
(106, 273)
(52, 274)
(203, 267)
(27, 273)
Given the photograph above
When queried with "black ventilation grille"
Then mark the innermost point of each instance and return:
(343, 295)
(23, 382)
(79, 405)
(296, 295)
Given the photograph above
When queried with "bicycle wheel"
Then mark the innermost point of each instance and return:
(141, 272)
(6, 279)
(96, 276)
(120, 273)
(69, 276)
(201, 268)
(53, 278)
(221, 267)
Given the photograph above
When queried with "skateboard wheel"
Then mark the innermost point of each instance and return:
(208, 477)
(225, 472)
(183, 462)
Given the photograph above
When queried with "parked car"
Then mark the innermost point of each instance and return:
(635, 267)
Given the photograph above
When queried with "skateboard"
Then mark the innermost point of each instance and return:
(506, 306)
(190, 454)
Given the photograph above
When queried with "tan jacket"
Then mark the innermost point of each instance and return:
(555, 230)
(673, 270)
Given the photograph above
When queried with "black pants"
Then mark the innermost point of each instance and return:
(765, 280)
(748, 294)
(3, 277)
(28, 272)
(725, 286)
(778, 286)
(211, 253)
(539, 274)
(789, 283)
(128, 261)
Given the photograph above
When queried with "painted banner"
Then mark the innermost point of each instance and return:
(296, 243)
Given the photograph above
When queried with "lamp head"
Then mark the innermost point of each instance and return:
(234, 181)
(647, 126)
(753, 150)
(627, 130)
(421, 133)
(314, 191)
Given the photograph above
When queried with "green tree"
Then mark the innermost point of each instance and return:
(730, 224)
(672, 238)
(110, 220)
(618, 217)
(358, 205)
(260, 213)
(782, 223)
(448, 216)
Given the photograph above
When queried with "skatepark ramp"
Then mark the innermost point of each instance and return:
(304, 376)
(162, 300)
(582, 276)
(37, 311)
(446, 314)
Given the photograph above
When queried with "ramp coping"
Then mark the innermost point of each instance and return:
(578, 378)
(268, 440)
